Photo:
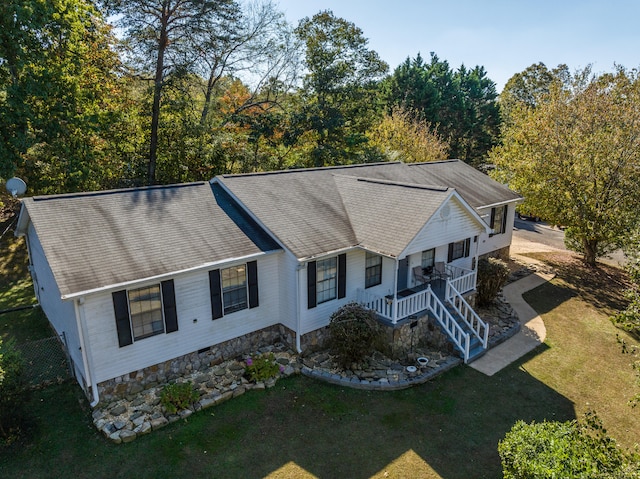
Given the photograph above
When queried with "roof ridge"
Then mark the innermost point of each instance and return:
(404, 184)
(304, 170)
(115, 191)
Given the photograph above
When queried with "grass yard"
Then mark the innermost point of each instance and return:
(448, 428)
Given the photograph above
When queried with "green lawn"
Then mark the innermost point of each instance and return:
(448, 428)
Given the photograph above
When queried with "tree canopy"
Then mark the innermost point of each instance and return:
(339, 92)
(461, 105)
(195, 88)
(574, 157)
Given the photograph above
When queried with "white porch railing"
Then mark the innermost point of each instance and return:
(479, 328)
(462, 279)
(421, 301)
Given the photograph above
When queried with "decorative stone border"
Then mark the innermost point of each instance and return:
(382, 384)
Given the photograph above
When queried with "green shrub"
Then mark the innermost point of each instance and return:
(262, 367)
(564, 449)
(178, 396)
(352, 334)
(492, 276)
(13, 393)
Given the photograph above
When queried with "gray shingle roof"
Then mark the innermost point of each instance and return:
(386, 216)
(319, 210)
(95, 240)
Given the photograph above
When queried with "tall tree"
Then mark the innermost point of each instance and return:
(164, 34)
(340, 89)
(59, 95)
(461, 104)
(574, 157)
(530, 86)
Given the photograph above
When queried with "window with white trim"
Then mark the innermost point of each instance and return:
(144, 312)
(145, 307)
(498, 221)
(326, 279)
(428, 258)
(459, 249)
(373, 270)
(234, 288)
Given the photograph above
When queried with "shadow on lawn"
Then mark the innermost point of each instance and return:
(452, 424)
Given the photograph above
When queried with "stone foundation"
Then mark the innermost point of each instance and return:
(413, 333)
(397, 341)
(135, 382)
(315, 340)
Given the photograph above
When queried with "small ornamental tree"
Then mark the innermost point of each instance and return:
(352, 334)
(492, 276)
(13, 393)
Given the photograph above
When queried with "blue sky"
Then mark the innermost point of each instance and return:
(504, 36)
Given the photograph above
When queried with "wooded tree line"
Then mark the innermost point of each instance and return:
(189, 89)
(193, 88)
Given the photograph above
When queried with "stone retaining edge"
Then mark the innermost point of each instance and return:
(380, 385)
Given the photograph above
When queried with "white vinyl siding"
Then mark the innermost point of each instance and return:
(196, 331)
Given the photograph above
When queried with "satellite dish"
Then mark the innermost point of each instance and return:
(16, 186)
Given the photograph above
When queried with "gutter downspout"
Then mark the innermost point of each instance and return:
(299, 268)
(85, 357)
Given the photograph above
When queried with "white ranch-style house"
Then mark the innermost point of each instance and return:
(146, 282)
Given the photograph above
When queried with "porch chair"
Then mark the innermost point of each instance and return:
(440, 270)
(418, 275)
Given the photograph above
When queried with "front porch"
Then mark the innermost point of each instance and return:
(441, 296)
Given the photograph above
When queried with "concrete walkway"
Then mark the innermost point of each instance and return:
(531, 334)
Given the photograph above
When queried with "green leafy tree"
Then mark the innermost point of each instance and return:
(164, 34)
(529, 87)
(59, 95)
(340, 94)
(461, 105)
(574, 157)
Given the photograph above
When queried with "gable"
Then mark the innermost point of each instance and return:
(454, 221)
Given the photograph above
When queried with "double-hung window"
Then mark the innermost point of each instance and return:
(326, 279)
(459, 249)
(373, 270)
(428, 259)
(498, 221)
(145, 305)
(144, 312)
(234, 288)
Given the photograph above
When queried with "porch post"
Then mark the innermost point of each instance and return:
(394, 306)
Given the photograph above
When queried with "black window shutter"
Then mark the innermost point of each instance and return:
(504, 218)
(311, 284)
(121, 308)
(252, 273)
(467, 247)
(215, 290)
(342, 275)
(169, 306)
(450, 255)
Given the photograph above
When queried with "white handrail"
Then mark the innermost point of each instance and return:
(479, 328)
(421, 301)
